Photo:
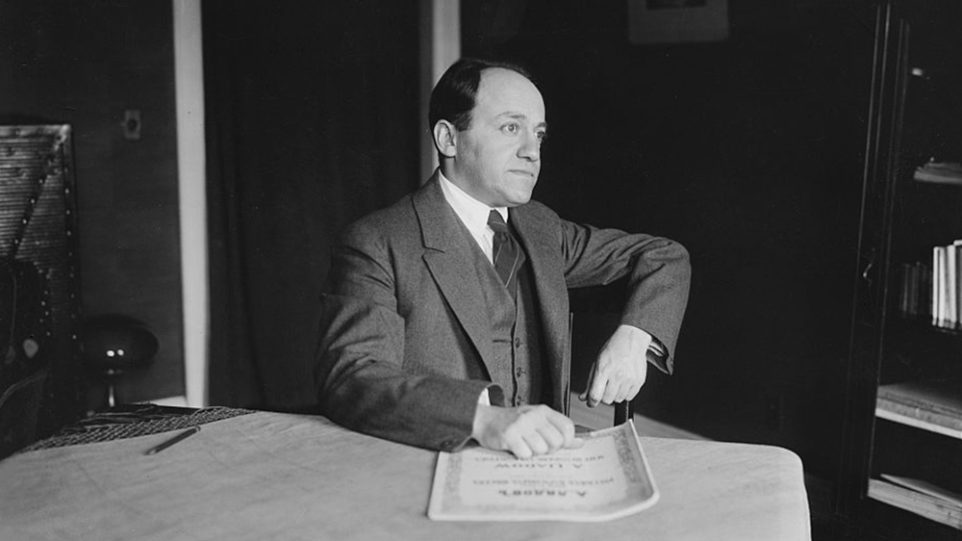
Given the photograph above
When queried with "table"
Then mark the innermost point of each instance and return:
(283, 476)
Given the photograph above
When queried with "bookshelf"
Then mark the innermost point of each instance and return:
(931, 406)
(901, 472)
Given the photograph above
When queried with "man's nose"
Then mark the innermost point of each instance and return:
(530, 147)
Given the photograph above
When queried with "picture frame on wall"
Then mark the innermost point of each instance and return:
(677, 21)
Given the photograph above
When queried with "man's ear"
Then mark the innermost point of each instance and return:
(446, 138)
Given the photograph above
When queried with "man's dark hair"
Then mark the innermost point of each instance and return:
(453, 98)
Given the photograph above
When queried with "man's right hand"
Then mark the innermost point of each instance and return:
(525, 431)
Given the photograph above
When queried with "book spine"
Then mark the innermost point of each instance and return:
(913, 296)
(905, 293)
(951, 310)
(938, 268)
(925, 289)
(955, 252)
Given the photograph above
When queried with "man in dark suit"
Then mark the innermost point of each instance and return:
(446, 316)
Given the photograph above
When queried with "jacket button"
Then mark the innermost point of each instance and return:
(517, 343)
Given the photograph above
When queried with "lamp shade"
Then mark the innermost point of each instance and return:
(114, 341)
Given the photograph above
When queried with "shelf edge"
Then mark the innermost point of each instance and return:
(889, 415)
(921, 504)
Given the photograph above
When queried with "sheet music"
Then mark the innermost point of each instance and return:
(606, 478)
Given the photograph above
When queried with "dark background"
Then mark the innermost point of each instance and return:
(748, 151)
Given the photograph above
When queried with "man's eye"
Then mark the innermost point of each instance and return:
(511, 128)
(541, 135)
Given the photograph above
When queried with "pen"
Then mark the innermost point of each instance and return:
(178, 438)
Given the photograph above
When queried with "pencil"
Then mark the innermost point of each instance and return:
(178, 438)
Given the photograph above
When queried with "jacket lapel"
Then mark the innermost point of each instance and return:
(540, 243)
(449, 261)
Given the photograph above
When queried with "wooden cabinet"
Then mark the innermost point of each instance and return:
(901, 475)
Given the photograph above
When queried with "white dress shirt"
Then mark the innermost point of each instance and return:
(473, 214)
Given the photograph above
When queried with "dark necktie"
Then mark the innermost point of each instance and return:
(507, 253)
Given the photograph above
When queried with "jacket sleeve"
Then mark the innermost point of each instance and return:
(658, 270)
(359, 359)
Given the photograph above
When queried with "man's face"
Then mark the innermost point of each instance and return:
(498, 157)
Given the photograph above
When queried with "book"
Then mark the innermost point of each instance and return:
(905, 293)
(608, 477)
(935, 406)
(946, 286)
(955, 253)
(938, 285)
(914, 295)
(951, 278)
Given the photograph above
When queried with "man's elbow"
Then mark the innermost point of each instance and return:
(684, 260)
(674, 254)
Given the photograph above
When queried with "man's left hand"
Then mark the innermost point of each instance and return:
(621, 368)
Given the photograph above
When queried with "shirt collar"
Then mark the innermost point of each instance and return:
(472, 212)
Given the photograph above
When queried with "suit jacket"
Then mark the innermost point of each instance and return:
(405, 347)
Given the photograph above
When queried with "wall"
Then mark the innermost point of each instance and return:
(84, 63)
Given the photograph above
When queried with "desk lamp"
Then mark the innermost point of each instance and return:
(114, 344)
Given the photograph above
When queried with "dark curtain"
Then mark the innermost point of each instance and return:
(312, 122)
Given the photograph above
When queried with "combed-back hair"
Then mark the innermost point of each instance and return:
(453, 98)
